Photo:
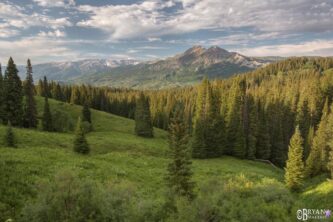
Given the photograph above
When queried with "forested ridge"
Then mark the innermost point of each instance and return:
(250, 115)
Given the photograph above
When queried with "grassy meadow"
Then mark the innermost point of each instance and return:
(119, 156)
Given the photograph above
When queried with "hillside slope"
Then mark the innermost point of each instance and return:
(117, 155)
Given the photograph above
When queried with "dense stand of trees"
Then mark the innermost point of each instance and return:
(250, 116)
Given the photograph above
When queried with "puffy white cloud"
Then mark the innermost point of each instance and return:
(13, 19)
(310, 48)
(150, 18)
(56, 33)
(55, 3)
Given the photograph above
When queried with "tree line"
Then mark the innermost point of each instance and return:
(251, 116)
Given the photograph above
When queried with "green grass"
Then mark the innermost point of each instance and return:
(119, 155)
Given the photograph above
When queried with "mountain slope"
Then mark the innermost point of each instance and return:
(183, 69)
(65, 71)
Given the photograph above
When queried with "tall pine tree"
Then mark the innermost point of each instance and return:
(2, 112)
(143, 123)
(294, 170)
(30, 110)
(12, 95)
(179, 176)
(86, 114)
(80, 143)
(314, 163)
(47, 122)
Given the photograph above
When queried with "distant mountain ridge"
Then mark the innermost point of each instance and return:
(67, 71)
(182, 69)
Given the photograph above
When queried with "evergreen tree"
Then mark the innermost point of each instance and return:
(263, 147)
(303, 118)
(30, 110)
(2, 112)
(251, 128)
(10, 136)
(80, 143)
(179, 177)
(199, 146)
(235, 120)
(47, 122)
(12, 95)
(46, 89)
(294, 170)
(143, 123)
(308, 142)
(314, 163)
(86, 114)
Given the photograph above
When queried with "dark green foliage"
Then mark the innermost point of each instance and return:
(248, 116)
(198, 141)
(2, 101)
(10, 136)
(47, 121)
(263, 147)
(30, 110)
(294, 170)
(45, 88)
(237, 199)
(209, 127)
(303, 118)
(314, 164)
(80, 143)
(251, 128)
(86, 114)
(235, 120)
(63, 122)
(179, 177)
(143, 123)
(12, 95)
(69, 198)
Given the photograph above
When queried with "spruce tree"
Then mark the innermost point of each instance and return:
(10, 136)
(179, 176)
(294, 170)
(143, 123)
(46, 89)
(80, 143)
(30, 110)
(263, 147)
(86, 114)
(199, 146)
(235, 120)
(2, 114)
(12, 95)
(251, 128)
(314, 162)
(47, 122)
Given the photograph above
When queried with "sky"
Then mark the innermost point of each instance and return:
(68, 30)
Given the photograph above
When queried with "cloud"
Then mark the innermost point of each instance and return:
(14, 19)
(310, 48)
(149, 18)
(56, 33)
(39, 49)
(55, 3)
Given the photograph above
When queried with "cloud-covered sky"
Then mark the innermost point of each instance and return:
(61, 30)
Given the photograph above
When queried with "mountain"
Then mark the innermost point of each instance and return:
(183, 69)
(67, 71)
